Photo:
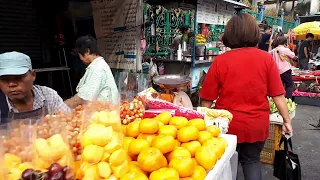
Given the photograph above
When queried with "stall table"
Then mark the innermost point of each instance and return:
(222, 170)
(305, 78)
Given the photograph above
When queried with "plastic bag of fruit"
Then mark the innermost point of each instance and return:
(131, 111)
(52, 157)
(16, 140)
(3, 169)
(101, 139)
(72, 123)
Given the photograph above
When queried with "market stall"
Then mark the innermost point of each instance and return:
(198, 46)
(108, 141)
(307, 83)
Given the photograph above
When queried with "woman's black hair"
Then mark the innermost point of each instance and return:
(184, 29)
(87, 44)
(310, 35)
(267, 27)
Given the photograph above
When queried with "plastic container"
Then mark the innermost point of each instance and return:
(101, 139)
(179, 53)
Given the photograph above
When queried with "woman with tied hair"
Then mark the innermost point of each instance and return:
(241, 81)
(283, 57)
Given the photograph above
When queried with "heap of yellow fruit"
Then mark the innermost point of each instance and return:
(15, 166)
(167, 147)
(51, 150)
(103, 156)
(46, 152)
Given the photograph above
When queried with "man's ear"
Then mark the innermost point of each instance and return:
(33, 73)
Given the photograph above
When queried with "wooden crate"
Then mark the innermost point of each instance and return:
(271, 144)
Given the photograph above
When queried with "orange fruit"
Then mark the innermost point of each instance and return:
(186, 134)
(132, 130)
(195, 161)
(164, 117)
(214, 130)
(203, 136)
(164, 174)
(149, 126)
(178, 152)
(200, 124)
(169, 130)
(191, 146)
(124, 129)
(178, 143)
(164, 143)
(184, 166)
(134, 175)
(199, 173)
(133, 167)
(160, 124)
(126, 142)
(223, 141)
(151, 159)
(211, 142)
(137, 145)
(187, 178)
(178, 121)
(206, 157)
(147, 137)
(216, 146)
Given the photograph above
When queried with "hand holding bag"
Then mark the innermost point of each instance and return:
(286, 163)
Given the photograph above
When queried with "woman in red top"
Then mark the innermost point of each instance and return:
(240, 80)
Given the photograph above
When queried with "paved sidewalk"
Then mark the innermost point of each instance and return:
(306, 143)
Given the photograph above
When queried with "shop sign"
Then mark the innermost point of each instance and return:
(117, 26)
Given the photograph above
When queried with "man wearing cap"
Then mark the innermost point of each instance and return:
(19, 98)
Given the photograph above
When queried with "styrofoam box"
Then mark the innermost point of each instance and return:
(276, 118)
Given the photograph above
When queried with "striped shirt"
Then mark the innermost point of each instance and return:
(45, 97)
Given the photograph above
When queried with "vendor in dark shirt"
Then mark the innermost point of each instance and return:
(304, 52)
(265, 39)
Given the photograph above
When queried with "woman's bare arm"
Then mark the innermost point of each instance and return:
(282, 106)
(206, 103)
(74, 102)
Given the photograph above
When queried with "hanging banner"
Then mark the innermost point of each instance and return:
(117, 26)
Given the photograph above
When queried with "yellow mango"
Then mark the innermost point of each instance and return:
(104, 169)
(112, 177)
(92, 154)
(66, 160)
(40, 163)
(25, 166)
(120, 171)
(94, 118)
(118, 157)
(105, 157)
(58, 146)
(91, 173)
(112, 147)
(11, 160)
(15, 174)
(97, 135)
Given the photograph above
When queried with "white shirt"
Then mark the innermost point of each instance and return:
(98, 83)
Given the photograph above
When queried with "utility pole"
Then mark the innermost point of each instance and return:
(292, 9)
(277, 6)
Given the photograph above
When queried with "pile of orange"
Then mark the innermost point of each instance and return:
(174, 148)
